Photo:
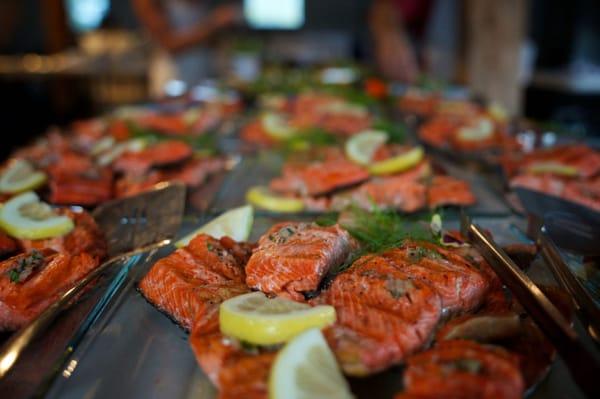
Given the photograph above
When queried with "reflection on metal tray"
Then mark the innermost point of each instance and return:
(538, 204)
(135, 351)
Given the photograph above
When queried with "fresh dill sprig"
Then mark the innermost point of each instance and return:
(396, 131)
(379, 230)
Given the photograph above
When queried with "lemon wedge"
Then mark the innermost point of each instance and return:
(554, 168)
(360, 148)
(276, 126)
(109, 156)
(483, 129)
(236, 223)
(264, 198)
(20, 176)
(259, 320)
(306, 368)
(399, 163)
(25, 216)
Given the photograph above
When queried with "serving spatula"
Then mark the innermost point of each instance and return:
(132, 226)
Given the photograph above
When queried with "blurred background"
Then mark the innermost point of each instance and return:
(67, 59)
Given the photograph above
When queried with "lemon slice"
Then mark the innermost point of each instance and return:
(306, 368)
(482, 130)
(554, 168)
(259, 320)
(277, 127)
(25, 216)
(20, 176)
(236, 223)
(399, 163)
(361, 147)
(264, 198)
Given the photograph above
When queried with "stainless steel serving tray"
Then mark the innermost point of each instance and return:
(131, 350)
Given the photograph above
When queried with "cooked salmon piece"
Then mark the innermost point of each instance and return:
(254, 133)
(191, 280)
(86, 237)
(459, 284)
(85, 187)
(192, 173)
(165, 123)
(237, 373)
(318, 177)
(161, 154)
(293, 258)
(383, 315)
(463, 369)
(8, 246)
(446, 190)
(31, 281)
(393, 192)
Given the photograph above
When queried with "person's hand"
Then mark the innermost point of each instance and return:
(397, 59)
(225, 16)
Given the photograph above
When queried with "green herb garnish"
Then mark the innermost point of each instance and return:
(25, 266)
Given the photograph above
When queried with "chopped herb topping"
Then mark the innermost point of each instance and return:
(398, 288)
(416, 254)
(25, 266)
(209, 246)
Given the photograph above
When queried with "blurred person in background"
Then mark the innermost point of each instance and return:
(184, 31)
(397, 26)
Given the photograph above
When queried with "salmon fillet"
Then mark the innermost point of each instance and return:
(237, 373)
(194, 278)
(8, 246)
(395, 192)
(31, 281)
(162, 154)
(293, 257)
(86, 237)
(86, 187)
(192, 173)
(318, 177)
(383, 315)
(446, 190)
(460, 285)
(463, 369)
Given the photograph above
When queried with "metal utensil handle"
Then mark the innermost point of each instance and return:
(20, 340)
(587, 310)
(583, 367)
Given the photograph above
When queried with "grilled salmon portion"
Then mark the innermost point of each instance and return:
(192, 173)
(236, 372)
(8, 246)
(194, 278)
(293, 257)
(31, 281)
(87, 187)
(318, 177)
(460, 285)
(463, 369)
(383, 315)
(162, 154)
(394, 192)
(446, 190)
(85, 237)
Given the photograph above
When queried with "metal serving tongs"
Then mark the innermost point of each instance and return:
(583, 366)
(133, 226)
(588, 312)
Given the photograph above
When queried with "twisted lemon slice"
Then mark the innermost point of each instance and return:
(25, 216)
(20, 176)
